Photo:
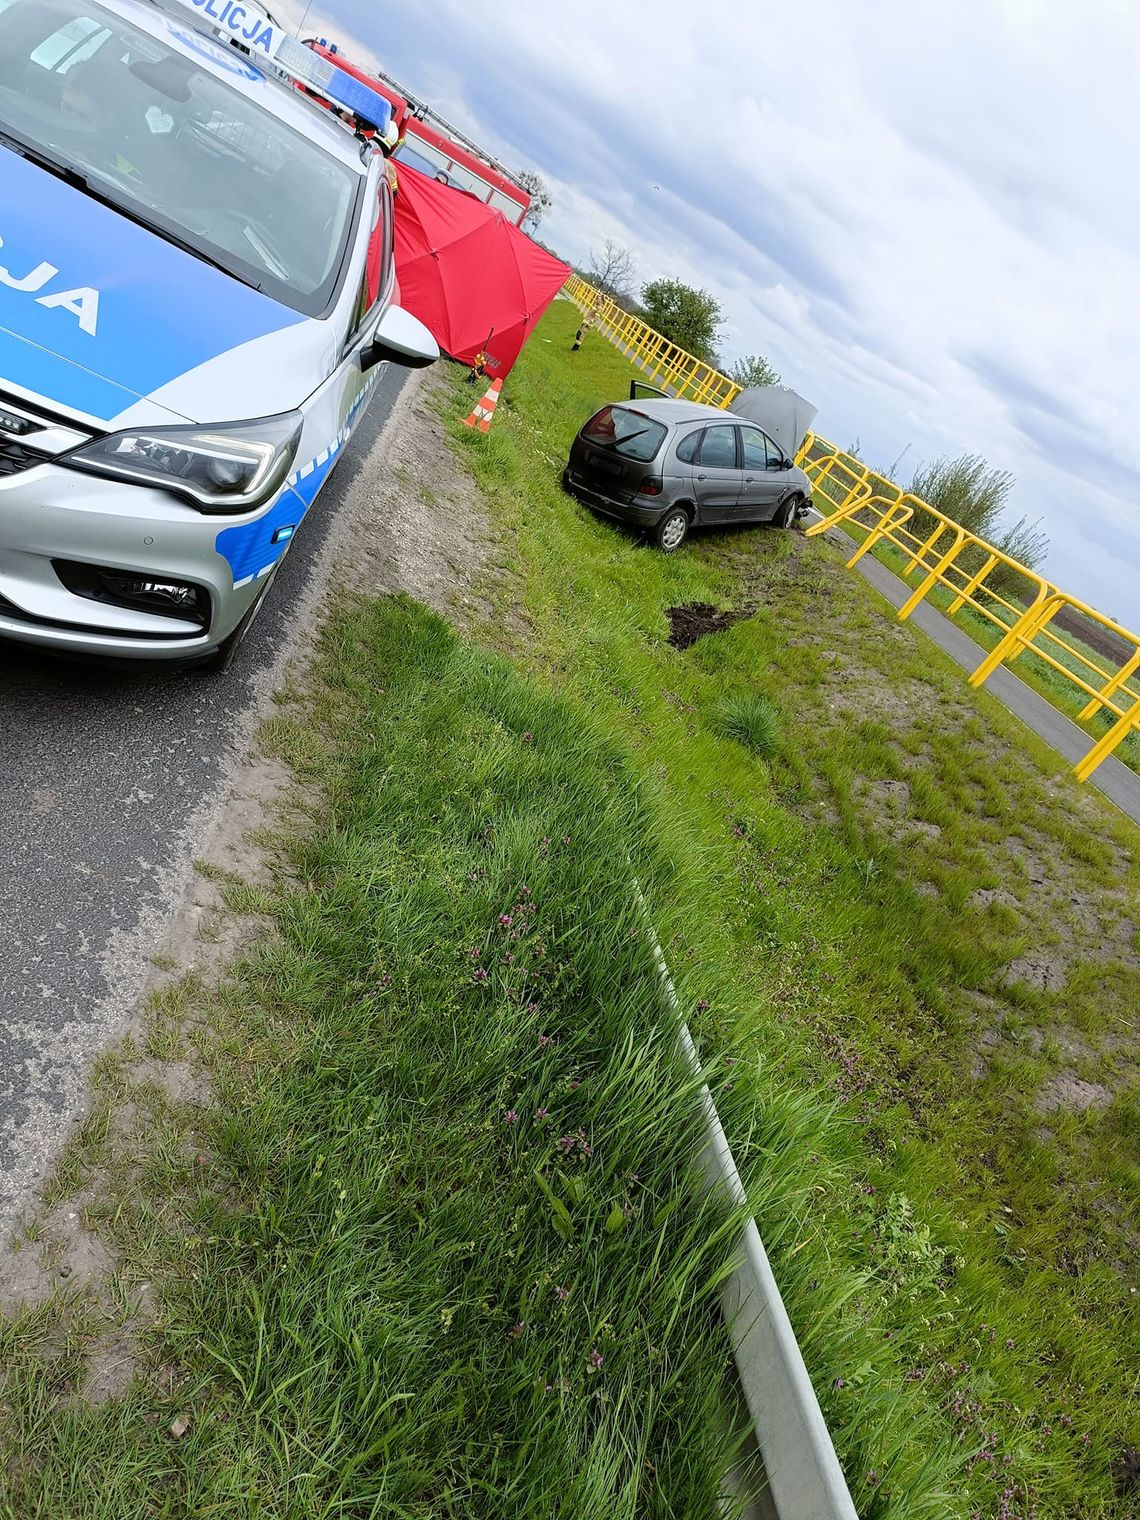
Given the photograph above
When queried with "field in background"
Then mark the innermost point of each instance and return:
(889, 893)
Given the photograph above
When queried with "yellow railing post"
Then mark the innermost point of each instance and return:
(919, 555)
(935, 575)
(886, 522)
(1104, 747)
(971, 586)
(1031, 621)
(1095, 704)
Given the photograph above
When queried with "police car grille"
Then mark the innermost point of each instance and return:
(15, 457)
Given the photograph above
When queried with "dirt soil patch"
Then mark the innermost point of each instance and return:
(696, 619)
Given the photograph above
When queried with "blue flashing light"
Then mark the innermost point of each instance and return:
(368, 105)
(267, 43)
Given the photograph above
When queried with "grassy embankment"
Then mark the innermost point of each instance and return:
(433, 1246)
(906, 899)
(431, 1249)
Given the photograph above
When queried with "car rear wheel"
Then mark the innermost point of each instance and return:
(672, 530)
(788, 511)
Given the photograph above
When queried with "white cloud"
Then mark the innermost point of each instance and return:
(923, 216)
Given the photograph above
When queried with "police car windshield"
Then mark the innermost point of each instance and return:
(176, 147)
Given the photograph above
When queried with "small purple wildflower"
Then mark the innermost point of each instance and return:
(545, 1041)
(562, 1294)
(517, 1328)
(703, 1005)
(596, 1359)
(481, 974)
(840, 1383)
(511, 1117)
(506, 920)
(540, 1114)
(473, 953)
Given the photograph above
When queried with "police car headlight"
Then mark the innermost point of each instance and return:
(231, 467)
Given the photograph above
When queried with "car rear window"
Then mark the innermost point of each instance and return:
(631, 434)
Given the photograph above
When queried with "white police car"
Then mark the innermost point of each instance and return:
(195, 298)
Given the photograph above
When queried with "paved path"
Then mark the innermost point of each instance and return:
(1118, 783)
(106, 780)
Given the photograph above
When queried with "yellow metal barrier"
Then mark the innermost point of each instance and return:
(947, 556)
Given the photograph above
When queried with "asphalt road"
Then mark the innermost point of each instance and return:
(104, 778)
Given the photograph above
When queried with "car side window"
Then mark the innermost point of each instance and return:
(378, 261)
(687, 448)
(718, 448)
(757, 449)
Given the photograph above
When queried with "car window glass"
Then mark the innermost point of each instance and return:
(718, 448)
(759, 450)
(176, 146)
(378, 263)
(687, 448)
(626, 432)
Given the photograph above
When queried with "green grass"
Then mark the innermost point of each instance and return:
(984, 1241)
(436, 1248)
(751, 720)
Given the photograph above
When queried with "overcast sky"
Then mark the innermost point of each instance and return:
(925, 217)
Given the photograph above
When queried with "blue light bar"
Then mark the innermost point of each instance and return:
(248, 28)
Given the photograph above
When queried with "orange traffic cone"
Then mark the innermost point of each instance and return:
(485, 410)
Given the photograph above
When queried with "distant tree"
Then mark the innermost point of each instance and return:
(540, 203)
(612, 269)
(970, 492)
(753, 370)
(689, 318)
(965, 489)
(1028, 543)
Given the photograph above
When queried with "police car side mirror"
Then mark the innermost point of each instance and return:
(400, 338)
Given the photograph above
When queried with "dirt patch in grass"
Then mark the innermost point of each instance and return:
(695, 620)
(1067, 1090)
(425, 528)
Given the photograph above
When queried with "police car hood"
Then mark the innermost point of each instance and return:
(99, 314)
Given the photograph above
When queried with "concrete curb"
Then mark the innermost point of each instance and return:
(805, 1480)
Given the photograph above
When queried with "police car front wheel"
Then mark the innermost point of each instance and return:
(226, 653)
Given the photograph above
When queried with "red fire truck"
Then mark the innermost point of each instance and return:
(434, 146)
